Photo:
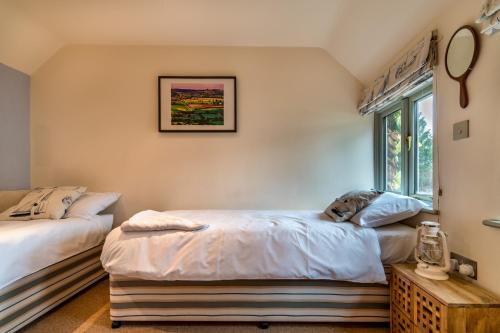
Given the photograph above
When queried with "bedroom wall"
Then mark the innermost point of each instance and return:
(300, 141)
(14, 129)
(469, 170)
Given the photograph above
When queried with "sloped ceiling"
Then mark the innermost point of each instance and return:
(24, 43)
(360, 34)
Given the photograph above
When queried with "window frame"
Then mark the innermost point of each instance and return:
(412, 101)
(407, 105)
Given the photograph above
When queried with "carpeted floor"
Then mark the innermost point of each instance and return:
(89, 313)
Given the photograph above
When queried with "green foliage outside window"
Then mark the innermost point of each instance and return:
(424, 156)
(404, 146)
(393, 152)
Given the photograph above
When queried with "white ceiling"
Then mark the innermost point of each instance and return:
(360, 34)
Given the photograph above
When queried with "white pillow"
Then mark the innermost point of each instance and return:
(91, 204)
(386, 209)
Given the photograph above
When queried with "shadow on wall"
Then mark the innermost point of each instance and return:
(14, 129)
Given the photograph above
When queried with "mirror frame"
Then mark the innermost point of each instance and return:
(464, 97)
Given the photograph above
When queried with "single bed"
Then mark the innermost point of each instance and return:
(255, 266)
(44, 262)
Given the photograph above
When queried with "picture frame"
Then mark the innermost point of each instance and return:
(197, 104)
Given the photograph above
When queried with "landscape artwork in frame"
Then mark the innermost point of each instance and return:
(197, 103)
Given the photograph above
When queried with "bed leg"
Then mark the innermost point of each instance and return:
(263, 325)
(116, 324)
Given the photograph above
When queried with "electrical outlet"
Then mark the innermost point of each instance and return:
(464, 260)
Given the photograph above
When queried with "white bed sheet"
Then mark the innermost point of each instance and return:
(28, 246)
(397, 242)
(248, 245)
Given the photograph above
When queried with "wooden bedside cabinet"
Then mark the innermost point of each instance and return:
(420, 305)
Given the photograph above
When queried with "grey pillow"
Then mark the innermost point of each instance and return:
(348, 205)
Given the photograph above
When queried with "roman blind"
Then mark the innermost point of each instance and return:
(409, 71)
(490, 17)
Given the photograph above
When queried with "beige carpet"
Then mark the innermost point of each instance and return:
(89, 312)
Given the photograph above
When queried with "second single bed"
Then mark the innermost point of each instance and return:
(254, 266)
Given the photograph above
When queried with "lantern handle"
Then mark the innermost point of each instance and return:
(417, 255)
(446, 252)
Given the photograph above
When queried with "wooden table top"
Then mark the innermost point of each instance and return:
(454, 292)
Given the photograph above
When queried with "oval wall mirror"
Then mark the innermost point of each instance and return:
(461, 55)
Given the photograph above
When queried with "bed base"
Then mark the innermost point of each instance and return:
(263, 301)
(32, 296)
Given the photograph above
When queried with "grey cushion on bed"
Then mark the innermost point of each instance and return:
(11, 198)
(348, 205)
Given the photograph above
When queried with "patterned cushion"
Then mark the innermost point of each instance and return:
(44, 203)
(348, 205)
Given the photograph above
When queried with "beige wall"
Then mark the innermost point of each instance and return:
(470, 168)
(300, 141)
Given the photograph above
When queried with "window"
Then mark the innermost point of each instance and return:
(404, 136)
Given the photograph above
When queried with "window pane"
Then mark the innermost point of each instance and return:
(423, 165)
(392, 124)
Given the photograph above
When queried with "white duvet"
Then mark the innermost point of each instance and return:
(29, 246)
(248, 245)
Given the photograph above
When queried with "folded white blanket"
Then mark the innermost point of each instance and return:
(150, 220)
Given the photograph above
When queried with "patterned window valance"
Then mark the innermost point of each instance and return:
(410, 70)
(490, 17)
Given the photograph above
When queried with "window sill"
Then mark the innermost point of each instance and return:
(430, 211)
(494, 223)
(428, 203)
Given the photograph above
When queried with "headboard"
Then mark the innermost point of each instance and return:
(10, 198)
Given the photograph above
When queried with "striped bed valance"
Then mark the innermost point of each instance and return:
(412, 69)
(249, 300)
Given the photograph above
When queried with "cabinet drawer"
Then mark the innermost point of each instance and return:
(401, 293)
(429, 315)
(399, 322)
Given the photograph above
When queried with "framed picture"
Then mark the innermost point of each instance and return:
(197, 103)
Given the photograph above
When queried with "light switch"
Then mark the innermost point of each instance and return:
(461, 130)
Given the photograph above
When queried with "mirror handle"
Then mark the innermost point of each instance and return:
(464, 97)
